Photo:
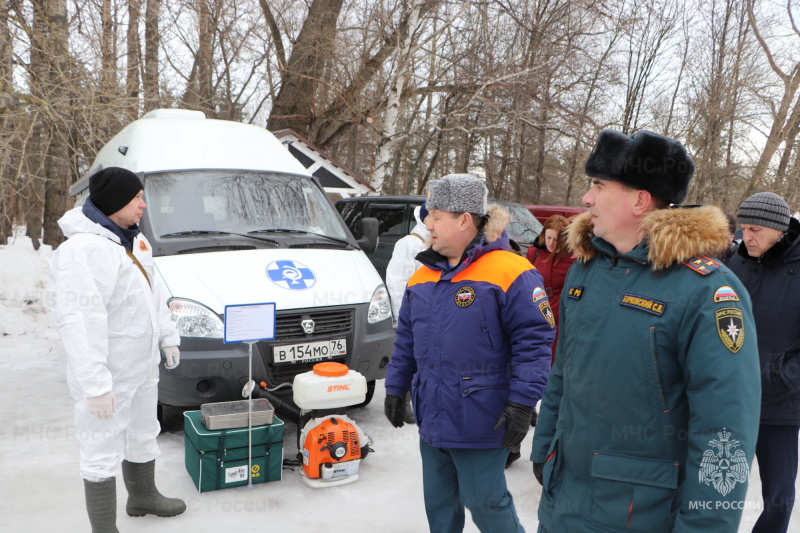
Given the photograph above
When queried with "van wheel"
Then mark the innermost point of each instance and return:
(370, 394)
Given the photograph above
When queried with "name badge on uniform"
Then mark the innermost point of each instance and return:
(654, 307)
(575, 292)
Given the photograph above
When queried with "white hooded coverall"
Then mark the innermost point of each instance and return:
(112, 324)
(403, 263)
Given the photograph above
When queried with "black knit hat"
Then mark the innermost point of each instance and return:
(646, 161)
(765, 209)
(113, 188)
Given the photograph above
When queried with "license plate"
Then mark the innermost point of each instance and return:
(309, 351)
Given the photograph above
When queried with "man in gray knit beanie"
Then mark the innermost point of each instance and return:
(767, 263)
(765, 209)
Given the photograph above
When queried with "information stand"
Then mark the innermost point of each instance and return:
(249, 323)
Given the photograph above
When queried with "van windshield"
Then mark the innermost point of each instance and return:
(237, 202)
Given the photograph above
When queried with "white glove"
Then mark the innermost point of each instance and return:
(103, 406)
(173, 357)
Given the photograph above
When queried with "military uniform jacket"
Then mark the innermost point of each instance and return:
(650, 418)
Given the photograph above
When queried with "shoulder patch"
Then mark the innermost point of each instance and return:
(703, 264)
(725, 294)
(730, 327)
(538, 294)
(143, 246)
(547, 313)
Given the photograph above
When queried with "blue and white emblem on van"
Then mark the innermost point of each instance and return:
(291, 275)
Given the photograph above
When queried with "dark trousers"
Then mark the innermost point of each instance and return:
(454, 478)
(776, 452)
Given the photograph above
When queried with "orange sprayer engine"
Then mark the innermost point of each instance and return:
(332, 449)
(331, 444)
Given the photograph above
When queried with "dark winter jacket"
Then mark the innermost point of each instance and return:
(470, 338)
(650, 417)
(773, 281)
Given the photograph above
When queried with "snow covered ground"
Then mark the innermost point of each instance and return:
(41, 490)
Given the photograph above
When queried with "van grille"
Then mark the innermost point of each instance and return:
(326, 323)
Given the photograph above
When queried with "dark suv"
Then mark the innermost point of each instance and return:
(395, 216)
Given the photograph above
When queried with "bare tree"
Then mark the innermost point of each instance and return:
(787, 114)
(152, 42)
(133, 55)
(294, 105)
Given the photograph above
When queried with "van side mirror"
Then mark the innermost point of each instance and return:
(369, 235)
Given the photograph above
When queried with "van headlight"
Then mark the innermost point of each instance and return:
(379, 306)
(195, 320)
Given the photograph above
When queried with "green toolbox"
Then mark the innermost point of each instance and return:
(218, 459)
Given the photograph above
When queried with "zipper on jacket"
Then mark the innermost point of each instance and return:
(654, 362)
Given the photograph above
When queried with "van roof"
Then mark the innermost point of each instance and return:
(179, 139)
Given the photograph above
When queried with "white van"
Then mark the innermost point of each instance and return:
(234, 218)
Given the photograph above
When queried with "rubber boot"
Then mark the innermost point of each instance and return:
(101, 504)
(143, 496)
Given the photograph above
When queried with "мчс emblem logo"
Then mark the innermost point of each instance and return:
(724, 468)
(547, 312)
(465, 296)
(730, 327)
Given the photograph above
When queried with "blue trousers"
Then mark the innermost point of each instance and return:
(454, 478)
(776, 452)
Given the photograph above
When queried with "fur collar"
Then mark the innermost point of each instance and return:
(499, 217)
(673, 235)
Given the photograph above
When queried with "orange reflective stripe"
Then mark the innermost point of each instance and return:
(503, 269)
(424, 274)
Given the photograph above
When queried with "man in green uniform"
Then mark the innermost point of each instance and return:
(650, 417)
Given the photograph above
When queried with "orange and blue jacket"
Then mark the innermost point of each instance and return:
(469, 339)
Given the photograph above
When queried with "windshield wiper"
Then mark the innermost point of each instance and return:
(194, 232)
(207, 232)
(287, 230)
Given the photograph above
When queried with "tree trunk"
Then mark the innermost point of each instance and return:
(198, 91)
(392, 114)
(6, 127)
(152, 40)
(133, 64)
(294, 106)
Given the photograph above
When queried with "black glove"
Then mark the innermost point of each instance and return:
(538, 472)
(517, 419)
(394, 409)
(534, 418)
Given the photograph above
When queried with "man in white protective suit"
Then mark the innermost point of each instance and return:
(401, 266)
(111, 314)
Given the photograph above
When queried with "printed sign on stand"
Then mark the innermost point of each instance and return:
(249, 322)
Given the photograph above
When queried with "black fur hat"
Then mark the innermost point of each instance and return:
(646, 161)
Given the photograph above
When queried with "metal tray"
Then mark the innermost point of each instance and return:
(229, 415)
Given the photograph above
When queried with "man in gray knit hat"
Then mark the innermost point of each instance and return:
(767, 263)
(473, 346)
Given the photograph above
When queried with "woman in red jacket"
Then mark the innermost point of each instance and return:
(551, 258)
